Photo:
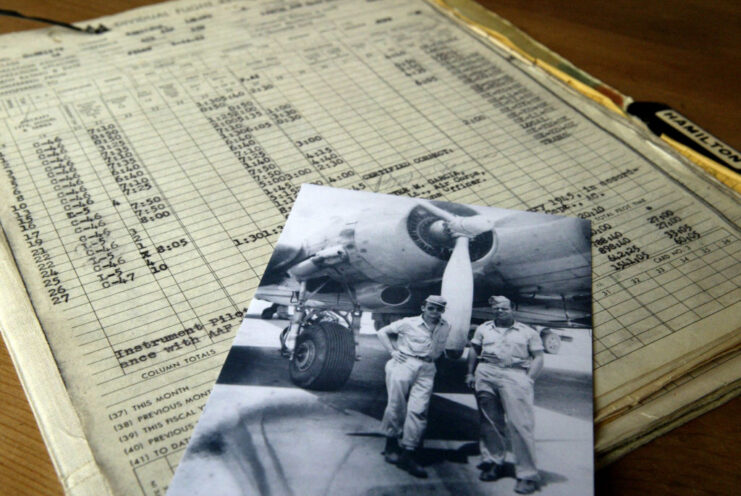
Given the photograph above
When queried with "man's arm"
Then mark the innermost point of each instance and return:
(535, 347)
(440, 340)
(472, 358)
(384, 336)
(473, 354)
(537, 365)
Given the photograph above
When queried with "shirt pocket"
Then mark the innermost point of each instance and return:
(491, 343)
(418, 342)
(518, 339)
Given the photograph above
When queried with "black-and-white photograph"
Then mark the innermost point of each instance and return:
(400, 345)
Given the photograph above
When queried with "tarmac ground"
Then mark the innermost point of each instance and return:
(260, 434)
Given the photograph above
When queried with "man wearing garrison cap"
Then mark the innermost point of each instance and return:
(409, 378)
(507, 357)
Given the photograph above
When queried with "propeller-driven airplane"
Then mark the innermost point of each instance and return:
(388, 262)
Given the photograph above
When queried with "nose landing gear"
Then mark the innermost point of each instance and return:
(320, 348)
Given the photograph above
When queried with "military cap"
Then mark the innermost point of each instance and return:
(499, 299)
(436, 300)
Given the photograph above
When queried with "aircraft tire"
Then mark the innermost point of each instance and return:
(324, 357)
(551, 341)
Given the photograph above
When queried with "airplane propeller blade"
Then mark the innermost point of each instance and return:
(457, 289)
(457, 283)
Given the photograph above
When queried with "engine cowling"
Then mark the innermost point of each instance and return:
(414, 251)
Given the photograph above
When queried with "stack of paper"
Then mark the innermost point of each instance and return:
(147, 172)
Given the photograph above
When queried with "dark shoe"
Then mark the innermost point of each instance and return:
(407, 463)
(525, 486)
(489, 471)
(392, 451)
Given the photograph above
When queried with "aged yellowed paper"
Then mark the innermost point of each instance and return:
(147, 171)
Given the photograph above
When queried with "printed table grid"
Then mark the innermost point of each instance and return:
(661, 308)
(170, 125)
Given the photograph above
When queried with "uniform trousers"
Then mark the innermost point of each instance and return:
(409, 387)
(506, 409)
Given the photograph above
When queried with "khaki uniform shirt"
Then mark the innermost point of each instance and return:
(416, 338)
(509, 346)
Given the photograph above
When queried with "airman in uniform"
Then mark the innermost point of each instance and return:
(410, 374)
(507, 357)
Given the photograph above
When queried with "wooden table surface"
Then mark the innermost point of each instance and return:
(686, 53)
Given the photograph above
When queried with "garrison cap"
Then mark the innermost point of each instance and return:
(436, 300)
(499, 299)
